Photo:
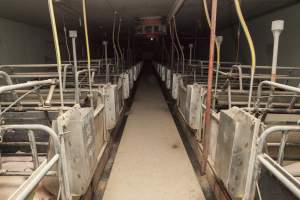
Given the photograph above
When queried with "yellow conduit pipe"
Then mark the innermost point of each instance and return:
(57, 49)
(88, 54)
(251, 46)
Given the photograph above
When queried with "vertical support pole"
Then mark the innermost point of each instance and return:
(219, 41)
(209, 84)
(32, 143)
(106, 62)
(73, 36)
(191, 53)
(172, 45)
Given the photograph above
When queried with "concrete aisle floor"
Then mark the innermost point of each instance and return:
(151, 162)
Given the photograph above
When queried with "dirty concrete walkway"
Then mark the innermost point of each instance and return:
(151, 161)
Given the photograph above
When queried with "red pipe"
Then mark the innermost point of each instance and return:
(209, 84)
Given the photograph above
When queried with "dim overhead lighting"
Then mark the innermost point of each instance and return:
(151, 38)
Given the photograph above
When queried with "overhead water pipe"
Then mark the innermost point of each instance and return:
(219, 41)
(174, 47)
(277, 28)
(87, 49)
(113, 40)
(57, 49)
(118, 44)
(175, 8)
(179, 45)
(209, 84)
(251, 46)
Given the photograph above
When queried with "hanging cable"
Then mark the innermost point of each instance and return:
(87, 49)
(175, 47)
(178, 41)
(66, 40)
(118, 44)
(113, 40)
(57, 49)
(251, 46)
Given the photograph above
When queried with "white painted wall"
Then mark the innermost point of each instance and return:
(289, 47)
(23, 44)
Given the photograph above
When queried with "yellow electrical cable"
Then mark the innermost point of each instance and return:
(247, 33)
(87, 48)
(251, 46)
(57, 49)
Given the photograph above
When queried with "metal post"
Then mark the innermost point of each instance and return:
(191, 52)
(106, 62)
(209, 84)
(219, 41)
(73, 35)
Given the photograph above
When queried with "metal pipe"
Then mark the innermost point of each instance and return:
(219, 41)
(73, 35)
(8, 81)
(18, 100)
(113, 40)
(289, 182)
(273, 84)
(33, 147)
(175, 47)
(118, 44)
(27, 84)
(277, 28)
(65, 75)
(44, 128)
(253, 171)
(30, 184)
(77, 99)
(191, 53)
(7, 77)
(209, 84)
(179, 45)
(282, 148)
(106, 62)
(57, 147)
(240, 76)
(175, 8)
(263, 138)
(50, 95)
